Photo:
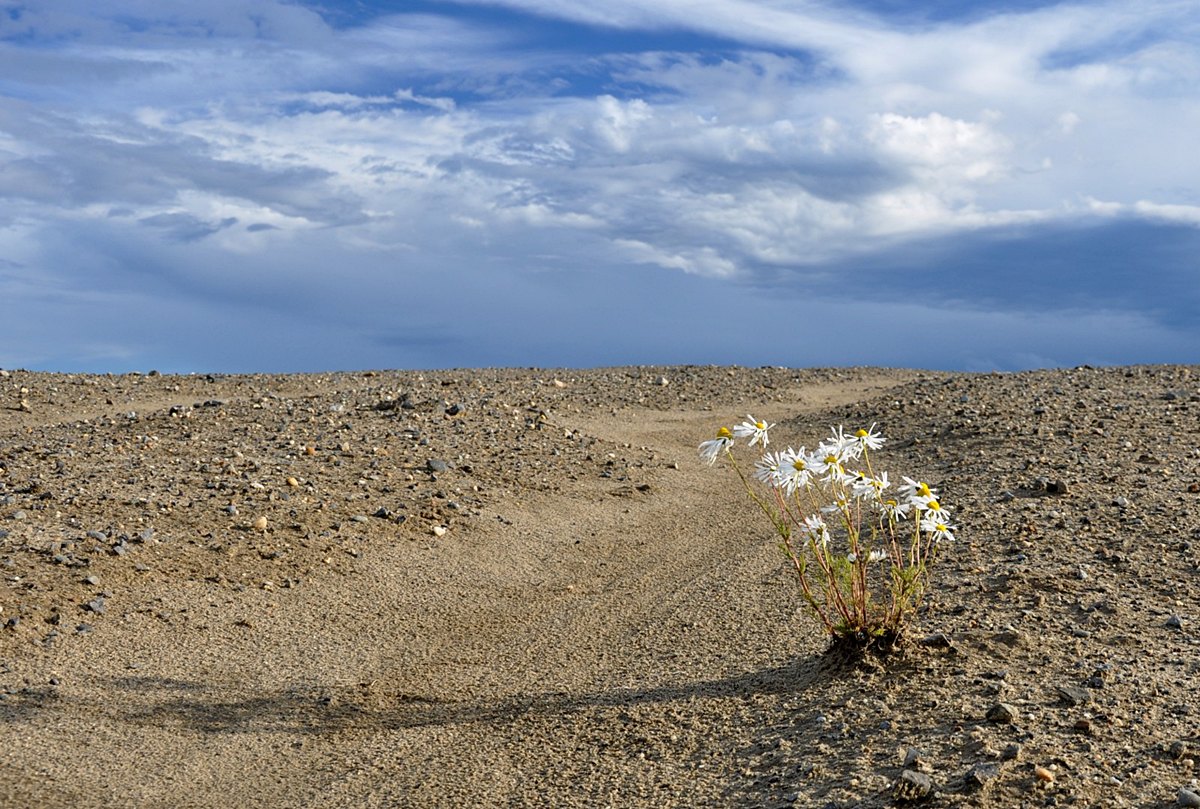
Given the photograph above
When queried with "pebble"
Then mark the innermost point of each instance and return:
(455, 409)
(1187, 798)
(96, 605)
(260, 524)
(1074, 695)
(436, 465)
(1043, 775)
(440, 530)
(912, 786)
(981, 774)
(1174, 622)
(1056, 487)
(1003, 714)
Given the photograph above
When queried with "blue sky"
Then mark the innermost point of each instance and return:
(257, 185)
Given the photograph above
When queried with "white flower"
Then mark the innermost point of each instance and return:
(892, 509)
(709, 450)
(877, 555)
(866, 486)
(795, 470)
(755, 430)
(917, 492)
(829, 461)
(768, 467)
(938, 529)
(933, 510)
(814, 528)
(867, 439)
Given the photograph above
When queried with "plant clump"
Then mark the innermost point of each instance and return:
(860, 545)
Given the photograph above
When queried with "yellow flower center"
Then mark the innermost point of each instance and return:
(724, 433)
(862, 434)
(799, 465)
(934, 505)
(923, 490)
(760, 425)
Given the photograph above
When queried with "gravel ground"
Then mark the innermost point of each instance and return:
(522, 588)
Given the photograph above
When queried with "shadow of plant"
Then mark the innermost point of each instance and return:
(321, 709)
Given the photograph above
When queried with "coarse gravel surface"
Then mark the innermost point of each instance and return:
(522, 587)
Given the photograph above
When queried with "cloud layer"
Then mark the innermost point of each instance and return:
(276, 186)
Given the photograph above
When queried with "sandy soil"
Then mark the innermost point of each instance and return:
(522, 588)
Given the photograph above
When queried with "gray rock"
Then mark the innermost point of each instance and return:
(1174, 622)
(455, 409)
(1177, 749)
(96, 605)
(1056, 487)
(912, 786)
(1074, 695)
(436, 465)
(1187, 798)
(1003, 714)
(981, 775)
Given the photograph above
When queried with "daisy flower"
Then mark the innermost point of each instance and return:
(866, 486)
(877, 555)
(828, 461)
(755, 430)
(795, 470)
(767, 468)
(814, 528)
(939, 529)
(933, 510)
(709, 450)
(868, 439)
(917, 492)
(893, 510)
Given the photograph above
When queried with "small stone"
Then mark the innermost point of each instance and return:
(293, 482)
(1056, 487)
(1177, 749)
(981, 774)
(440, 530)
(99, 536)
(231, 509)
(914, 759)
(436, 465)
(1187, 798)
(938, 640)
(912, 786)
(662, 381)
(1012, 752)
(1002, 714)
(455, 409)
(260, 523)
(1043, 775)
(1174, 622)
(1074, 695)
(96, 605)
